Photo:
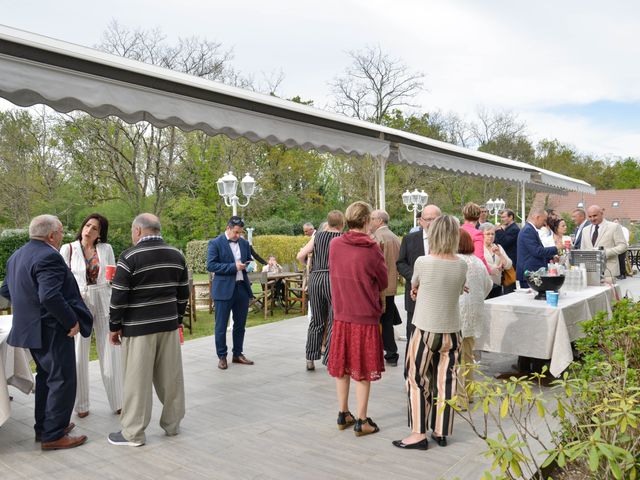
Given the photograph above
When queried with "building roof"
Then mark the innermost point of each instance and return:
(623, 204)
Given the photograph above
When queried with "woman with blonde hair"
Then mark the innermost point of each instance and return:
(321, 322)
(358, 275)
(432, 353)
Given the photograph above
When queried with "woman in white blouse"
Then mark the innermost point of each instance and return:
(472, 313)
(88, 257)
(496, 258)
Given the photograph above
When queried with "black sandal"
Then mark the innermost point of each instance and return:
(345, 420)
(358, 428)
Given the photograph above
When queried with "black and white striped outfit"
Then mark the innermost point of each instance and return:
(150, 289)
(320, 298)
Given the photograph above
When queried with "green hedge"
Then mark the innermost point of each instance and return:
(284, 247)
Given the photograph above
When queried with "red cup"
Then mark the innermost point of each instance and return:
(567, 244)
(110, 272)
(181, 330)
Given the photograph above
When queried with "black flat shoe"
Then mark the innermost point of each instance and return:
(345, 420)
(442, 441)
(358, 427)
(421, 445)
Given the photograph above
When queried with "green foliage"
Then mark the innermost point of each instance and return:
(9, 243)
(593, 416)
(275, 226)
(285, 248)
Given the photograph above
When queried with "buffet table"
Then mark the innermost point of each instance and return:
(520, 325)
(14, 369)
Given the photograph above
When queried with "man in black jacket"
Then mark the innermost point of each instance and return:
(414, 245)
(507, 238)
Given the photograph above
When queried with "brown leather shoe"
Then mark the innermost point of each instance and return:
(64, 442)
(222, 363)
(83, 414)
(243, 360)
(69, 427)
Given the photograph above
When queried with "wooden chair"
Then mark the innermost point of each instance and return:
(190, 312)
(295, 290)
(264, 300)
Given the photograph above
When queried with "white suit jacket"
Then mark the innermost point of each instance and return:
(611, 238)
(78, 266)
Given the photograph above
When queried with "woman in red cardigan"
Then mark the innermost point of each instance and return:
(357, 275)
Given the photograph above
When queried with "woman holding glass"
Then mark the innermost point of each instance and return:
(88, 257)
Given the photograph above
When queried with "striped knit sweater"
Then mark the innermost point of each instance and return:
(150, 289)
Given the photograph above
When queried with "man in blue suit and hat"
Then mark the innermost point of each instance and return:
(48, 312)
(227, 258)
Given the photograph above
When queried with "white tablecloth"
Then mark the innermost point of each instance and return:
(14, 369)
(520, 325)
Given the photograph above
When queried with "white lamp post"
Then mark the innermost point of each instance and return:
(415, 202)
(494, 207)
(227, 186)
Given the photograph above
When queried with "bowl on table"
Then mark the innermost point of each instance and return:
(547, 282)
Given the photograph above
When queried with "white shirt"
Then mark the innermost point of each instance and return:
(425, 239)
(235, 249)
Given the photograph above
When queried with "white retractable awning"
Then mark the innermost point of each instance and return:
(36, 69)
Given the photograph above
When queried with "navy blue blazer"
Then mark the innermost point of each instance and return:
(508, 240)
(531, 254)
(220, 260)
(411, 248)
(578, 234)
(43, 293)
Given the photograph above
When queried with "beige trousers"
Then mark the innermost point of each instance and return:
(154, 359)
(465, 376)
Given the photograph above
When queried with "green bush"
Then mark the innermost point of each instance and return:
(284, 247)
(274, 226)
(9, 243)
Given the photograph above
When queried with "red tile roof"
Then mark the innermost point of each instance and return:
(627, 206)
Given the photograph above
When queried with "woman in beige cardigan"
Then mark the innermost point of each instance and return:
(432, 353)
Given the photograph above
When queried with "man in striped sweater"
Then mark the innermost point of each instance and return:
(149, 296)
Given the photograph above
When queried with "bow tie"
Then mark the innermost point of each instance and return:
(232, 241)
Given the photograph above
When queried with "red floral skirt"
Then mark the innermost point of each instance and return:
(356, 350)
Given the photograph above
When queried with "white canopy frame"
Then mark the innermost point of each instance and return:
(67, 77)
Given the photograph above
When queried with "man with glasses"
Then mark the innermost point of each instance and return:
(227, 257)
(390, 245)
(414, 245)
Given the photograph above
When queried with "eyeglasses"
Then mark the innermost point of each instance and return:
(429, 219)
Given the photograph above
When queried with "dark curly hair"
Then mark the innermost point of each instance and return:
(104, 227)
(554, 223)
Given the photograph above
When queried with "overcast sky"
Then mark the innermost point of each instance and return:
(570, 69)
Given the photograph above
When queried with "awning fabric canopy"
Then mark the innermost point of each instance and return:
(36, 69)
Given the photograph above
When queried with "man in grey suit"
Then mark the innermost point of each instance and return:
(606, 236)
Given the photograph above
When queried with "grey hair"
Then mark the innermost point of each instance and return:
(486, 226)
(382, 215)
(147, 221)
(42, 225)
(308, 224)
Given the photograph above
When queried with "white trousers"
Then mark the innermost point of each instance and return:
(97, 298)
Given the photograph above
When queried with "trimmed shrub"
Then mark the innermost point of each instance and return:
(274, 226)
(10, 241)
(284, 247)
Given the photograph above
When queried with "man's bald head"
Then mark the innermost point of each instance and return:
(595, 214)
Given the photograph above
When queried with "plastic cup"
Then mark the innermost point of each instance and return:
(110, 272)
(552, 298)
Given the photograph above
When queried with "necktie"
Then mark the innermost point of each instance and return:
(594, 236)
(232, 241)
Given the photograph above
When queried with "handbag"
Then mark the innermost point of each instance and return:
(509, 277)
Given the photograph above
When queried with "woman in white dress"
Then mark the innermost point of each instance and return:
(88, 257)
(472, 313)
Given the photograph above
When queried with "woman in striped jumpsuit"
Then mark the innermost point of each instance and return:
(319, 288)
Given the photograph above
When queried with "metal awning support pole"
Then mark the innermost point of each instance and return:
(381, 190)
(522, 206)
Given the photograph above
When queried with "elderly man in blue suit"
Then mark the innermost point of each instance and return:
(531, 254)
(227, 257)
(48, 312)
